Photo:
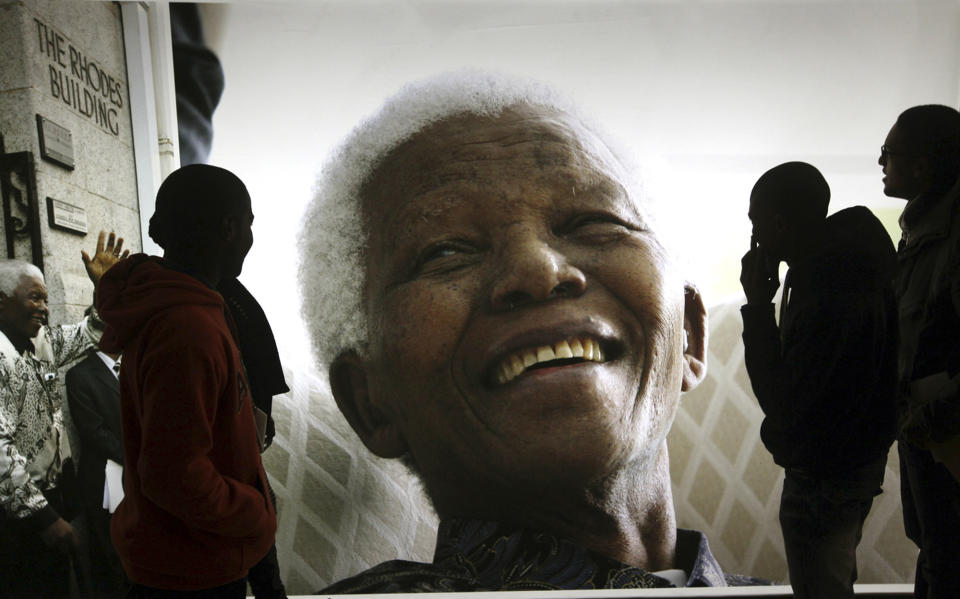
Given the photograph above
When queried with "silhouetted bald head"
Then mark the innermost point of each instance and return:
(930, 128)
(793, 189)
(191, 202)
(933, 131)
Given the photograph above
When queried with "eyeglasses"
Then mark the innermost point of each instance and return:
(886, 151)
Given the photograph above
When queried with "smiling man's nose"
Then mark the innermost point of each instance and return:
(531, 272)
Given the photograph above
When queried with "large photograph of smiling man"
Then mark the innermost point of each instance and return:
(488, 291)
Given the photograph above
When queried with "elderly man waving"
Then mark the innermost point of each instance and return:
(494, 305)
(33, 535)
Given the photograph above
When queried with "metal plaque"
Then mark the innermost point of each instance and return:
(67, 217)
(56, 142)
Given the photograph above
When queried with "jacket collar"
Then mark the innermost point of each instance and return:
(928, 216)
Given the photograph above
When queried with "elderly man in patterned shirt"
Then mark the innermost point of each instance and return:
(35, 539)
(494, 304)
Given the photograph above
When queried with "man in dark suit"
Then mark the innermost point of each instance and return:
(93, 393)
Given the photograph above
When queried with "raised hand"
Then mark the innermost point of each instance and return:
(758, 275)
(106, 255)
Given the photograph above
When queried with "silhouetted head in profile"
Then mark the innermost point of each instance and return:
(921, 152)
(788, 206)
(202, 220)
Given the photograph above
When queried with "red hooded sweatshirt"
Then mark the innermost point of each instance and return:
(195, 512)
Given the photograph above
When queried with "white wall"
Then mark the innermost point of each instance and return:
(716, 92)
(713, 93)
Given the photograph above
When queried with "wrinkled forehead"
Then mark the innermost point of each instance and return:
(32, 280)
(29, 283)
(523, 143)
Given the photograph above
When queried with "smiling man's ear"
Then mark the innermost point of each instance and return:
(695, 327)
(349, 383)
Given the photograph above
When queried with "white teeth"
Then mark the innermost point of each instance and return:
(529, 359)
(545, 353)
(576, 348)
(514, 365)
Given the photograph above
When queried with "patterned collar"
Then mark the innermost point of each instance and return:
(528, 558)
(475, 555)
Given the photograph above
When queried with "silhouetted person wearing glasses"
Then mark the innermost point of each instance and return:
(825, 374)
(921, 162)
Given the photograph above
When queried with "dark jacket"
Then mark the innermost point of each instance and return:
(259, 349)
(196, 512)
(826, 376)
(928, 291)
(93, 393)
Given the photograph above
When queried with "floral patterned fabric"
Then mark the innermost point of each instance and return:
(475, 555)
(31, 416)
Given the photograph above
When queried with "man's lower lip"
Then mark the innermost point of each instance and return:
(547, 370)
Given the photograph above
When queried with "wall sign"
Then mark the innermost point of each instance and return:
(79, 81)
(56, 142)
(66, 217)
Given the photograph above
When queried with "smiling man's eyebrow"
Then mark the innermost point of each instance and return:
(597, 184)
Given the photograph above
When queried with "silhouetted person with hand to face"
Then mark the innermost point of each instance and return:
(824, 375)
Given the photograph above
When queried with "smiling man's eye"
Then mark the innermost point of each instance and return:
(595, 224)
(595, 220)
(436, 252)
(443, 257)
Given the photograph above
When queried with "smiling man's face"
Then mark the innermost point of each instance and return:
(25, 311)
(525, 324)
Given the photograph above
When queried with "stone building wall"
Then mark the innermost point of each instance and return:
(65, 62)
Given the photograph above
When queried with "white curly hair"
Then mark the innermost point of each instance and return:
(332, 239)
(13, 271)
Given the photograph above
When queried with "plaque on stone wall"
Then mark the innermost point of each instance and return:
(56, 142)
(66, 217)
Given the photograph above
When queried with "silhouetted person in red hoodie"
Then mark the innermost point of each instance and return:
(196, 513)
